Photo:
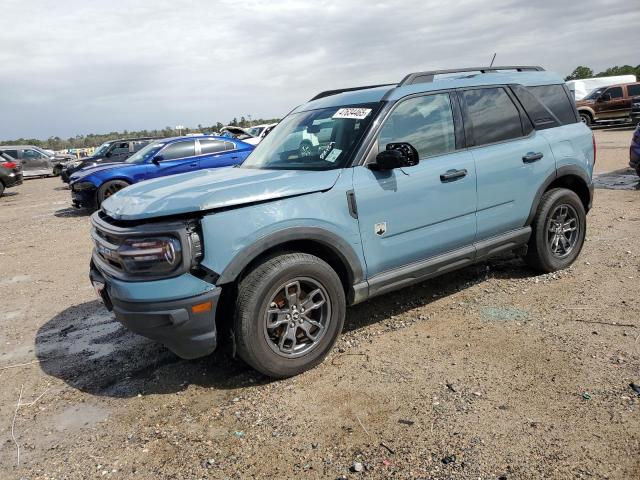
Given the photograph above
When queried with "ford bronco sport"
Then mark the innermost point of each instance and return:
(414, 179)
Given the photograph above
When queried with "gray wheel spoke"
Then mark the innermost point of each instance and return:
(311, 304)
(307, 327)
(290, 334)
(292, 292)
(281, 317)
(565, 243)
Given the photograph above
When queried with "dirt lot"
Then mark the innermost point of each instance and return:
(490, 372)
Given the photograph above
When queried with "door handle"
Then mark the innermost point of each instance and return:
(452, 175)
(532, 157)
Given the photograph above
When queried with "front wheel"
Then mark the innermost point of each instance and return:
(289, 312)
(559, 228)
(109, 188)
(586, 119)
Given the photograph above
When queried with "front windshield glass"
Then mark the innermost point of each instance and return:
(594, 94)
(321, 139)
(145, 154)
(101, 150)
(255, 131)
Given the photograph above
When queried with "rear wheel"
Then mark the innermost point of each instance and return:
(57, 170)
(1, 188)
(559, 228)
(586, 119)
(109, 188)
(289, 312)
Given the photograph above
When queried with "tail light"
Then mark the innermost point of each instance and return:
(593, 139)
(9, 164)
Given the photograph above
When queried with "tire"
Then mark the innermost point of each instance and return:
(586, 119)
(559, 210)
(272, 351)
(109, 188)
(57, 170)
(305, 149)
(1, 188)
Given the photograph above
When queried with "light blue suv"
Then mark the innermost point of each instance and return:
(399, 183)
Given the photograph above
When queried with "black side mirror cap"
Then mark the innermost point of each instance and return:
(397, 155)
(157, 159)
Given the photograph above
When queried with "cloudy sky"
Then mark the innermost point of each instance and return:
(76, 66)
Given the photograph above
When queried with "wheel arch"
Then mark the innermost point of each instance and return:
(571, 178)
(313, 240)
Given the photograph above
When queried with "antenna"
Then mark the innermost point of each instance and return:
(492, 60)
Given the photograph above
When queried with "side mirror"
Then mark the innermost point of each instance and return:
(108, 154)
(397, 155)
(157, 159)
(605, 97)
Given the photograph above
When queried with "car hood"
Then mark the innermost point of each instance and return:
(211, 189)
(86, 171)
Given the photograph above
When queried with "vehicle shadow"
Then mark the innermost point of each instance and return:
(89, 350)
(9, 194)
(63, 187)
(73, 212)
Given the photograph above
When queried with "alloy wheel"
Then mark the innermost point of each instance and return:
(562, 230)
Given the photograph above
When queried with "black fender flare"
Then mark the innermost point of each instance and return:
(558, 173)
(333, 242)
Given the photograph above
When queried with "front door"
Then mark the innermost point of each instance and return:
(35, 163)
(411, 214)
(177, 157)
(613, 104)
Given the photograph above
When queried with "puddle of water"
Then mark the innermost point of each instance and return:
(625, 179)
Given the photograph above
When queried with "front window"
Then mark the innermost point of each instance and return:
(321, 139)
(255, 131)
(144, 155)
(101, 150)
(594, 94)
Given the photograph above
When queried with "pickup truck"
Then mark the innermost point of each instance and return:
(612, 103)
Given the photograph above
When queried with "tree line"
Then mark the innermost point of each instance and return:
(95, 139)
(586, 72)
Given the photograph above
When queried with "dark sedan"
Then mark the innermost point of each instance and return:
(109, 152)
(10, 172)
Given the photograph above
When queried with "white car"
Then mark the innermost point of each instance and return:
(251, 135)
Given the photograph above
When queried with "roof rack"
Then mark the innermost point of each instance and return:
(426, 77)
(328, 93)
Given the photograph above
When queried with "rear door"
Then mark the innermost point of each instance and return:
(177, 157)
(216, 153)
(512, 160)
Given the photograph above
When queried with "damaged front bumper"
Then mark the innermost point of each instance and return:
(177, 312)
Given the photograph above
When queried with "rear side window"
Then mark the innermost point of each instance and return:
(12, 153)
(555, 98)
(493, 116)
(424, 122)
(634, 90)
(179, 150)
(211, 146)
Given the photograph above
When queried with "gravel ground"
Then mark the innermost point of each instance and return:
(491, 372)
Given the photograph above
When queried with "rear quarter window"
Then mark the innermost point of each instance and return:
(555, 98)
(634, 90)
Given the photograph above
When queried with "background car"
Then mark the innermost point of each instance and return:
(613, 103)
(34, 161)
(112, 151)
(92, 185)
(634, 151)
(10, 172)
(251, 135)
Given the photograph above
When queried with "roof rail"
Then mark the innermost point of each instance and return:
(328, 93)
(426, 77)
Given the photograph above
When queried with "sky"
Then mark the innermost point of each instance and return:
(93, 66)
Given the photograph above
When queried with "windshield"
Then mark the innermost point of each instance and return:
(594, 94)
(315, 140)
(101, 150)
(255, 131)
(141, 156)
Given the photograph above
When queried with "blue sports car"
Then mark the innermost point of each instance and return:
(92, 185)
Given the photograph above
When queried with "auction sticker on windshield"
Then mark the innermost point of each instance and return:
(353, 113)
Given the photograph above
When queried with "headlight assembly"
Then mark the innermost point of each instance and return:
(155, 255)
